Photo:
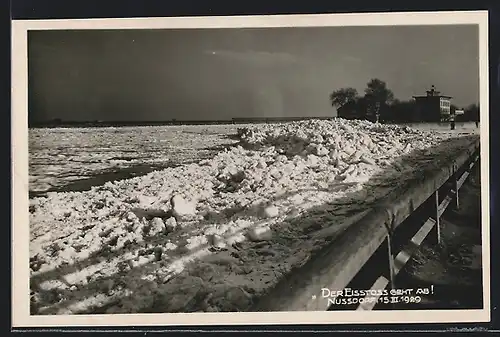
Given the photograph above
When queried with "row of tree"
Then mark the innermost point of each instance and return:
(379, 104)
(372, 105)
(471, 113)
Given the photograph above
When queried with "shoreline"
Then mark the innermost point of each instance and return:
(100, 179)
(137, 170)
(242, 121)
(115, 174)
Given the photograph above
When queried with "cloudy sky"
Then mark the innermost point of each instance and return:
(225, 73)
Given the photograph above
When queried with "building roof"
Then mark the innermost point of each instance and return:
(433, 93)
(425, 96)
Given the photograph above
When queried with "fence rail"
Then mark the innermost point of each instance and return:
(375, 232)
(431, 226)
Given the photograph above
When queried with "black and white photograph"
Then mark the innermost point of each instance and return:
(332, 167)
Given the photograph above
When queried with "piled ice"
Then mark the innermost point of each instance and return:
(132, 234)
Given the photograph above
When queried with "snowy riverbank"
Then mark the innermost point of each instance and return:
(74, 158)
(241, 219)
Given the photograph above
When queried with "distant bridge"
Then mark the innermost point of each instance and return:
(275, 119)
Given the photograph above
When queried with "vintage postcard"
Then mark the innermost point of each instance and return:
(282, 169)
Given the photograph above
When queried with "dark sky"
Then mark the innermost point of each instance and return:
(225, 73)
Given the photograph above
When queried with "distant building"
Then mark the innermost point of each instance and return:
(433, 107)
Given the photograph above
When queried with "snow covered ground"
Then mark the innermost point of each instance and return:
(460, 127)
(214, 235)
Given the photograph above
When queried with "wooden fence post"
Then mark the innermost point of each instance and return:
(437, 229)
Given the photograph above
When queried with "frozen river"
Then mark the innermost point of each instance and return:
(74, 159)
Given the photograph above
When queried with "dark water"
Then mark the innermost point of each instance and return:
(110, 176)
(98, 180)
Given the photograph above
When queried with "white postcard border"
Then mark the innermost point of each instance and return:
(20, 228)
